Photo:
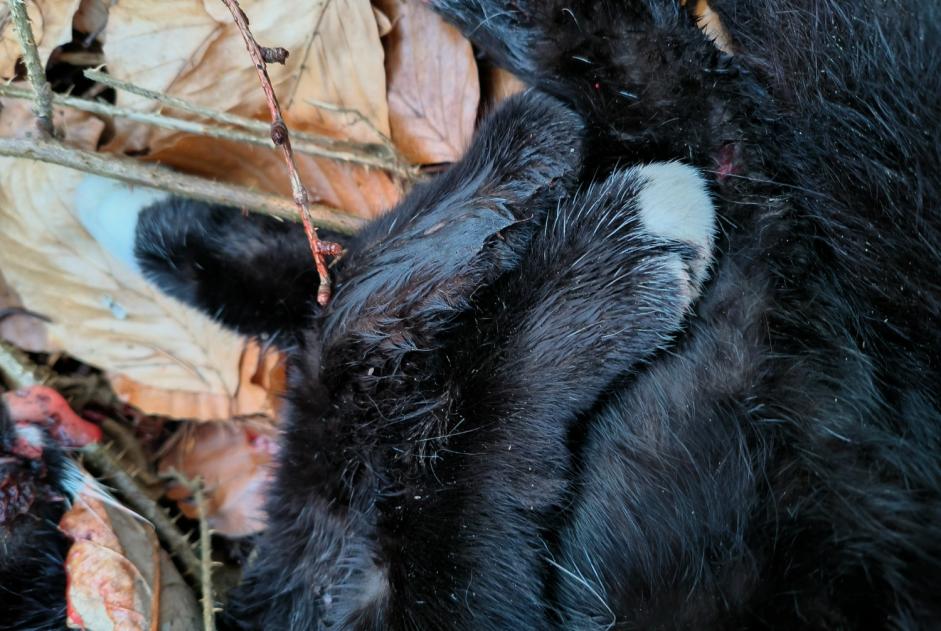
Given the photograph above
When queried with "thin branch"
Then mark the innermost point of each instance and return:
(42, 105)
(155, 176)
(196, 489)
(381, 156)
(106, 467)
(281, 137)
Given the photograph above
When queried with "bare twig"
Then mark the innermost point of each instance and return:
(380, 155)
(155, 176)
(42, 105)
(195, 487)
(282, 139)
(106, 467)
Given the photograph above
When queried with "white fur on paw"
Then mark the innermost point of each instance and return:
(674, 204)
(108, 210)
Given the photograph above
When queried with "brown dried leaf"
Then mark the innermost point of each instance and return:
(501, 84)
(261, 380)
(336, 57)
(51, 23)
(233, 460)
(118, 576)
(25, 331)
(357, 191)
(433, 84)
(80, 129)
(92, 16)
(104, 312)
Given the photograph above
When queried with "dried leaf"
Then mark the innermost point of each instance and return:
(80, 129)
(92, 16)
(118, 576)
(232, 459)
(433, 84)
(501, 84)
(261, 380)
(104, 312)
(25, 331)
(336, 57)
(51, 23)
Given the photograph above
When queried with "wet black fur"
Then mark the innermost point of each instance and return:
(504, 420)
(32, 550)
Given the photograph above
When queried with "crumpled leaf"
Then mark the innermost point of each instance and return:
(232, 459)
(433, 84)
(260, 382)
(104, 312)
(92, 16)
(25, 331)
(78, 129)
(51, 23)
(118, 576)
(355, 190)
(336, 57)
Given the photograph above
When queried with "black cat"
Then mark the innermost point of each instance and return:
(549, 394)
(501, 421)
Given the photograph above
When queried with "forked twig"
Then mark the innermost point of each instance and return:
(281, 138)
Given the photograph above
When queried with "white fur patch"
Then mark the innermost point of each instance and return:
(108, 210)
(674, 203)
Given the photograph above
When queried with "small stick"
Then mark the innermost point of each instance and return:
(281, 138)
(205, 545)
(42, 106)
(312, 144)
(155, 176)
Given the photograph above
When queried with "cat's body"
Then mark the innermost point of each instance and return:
(502, 425)
(558, 390)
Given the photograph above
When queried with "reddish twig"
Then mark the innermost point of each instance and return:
(282, 139)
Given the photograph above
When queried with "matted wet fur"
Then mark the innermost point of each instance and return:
(548, 395)
(480, 436)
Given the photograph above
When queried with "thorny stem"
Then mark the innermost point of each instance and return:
(205, 546)
(281, 138)
(42, 106)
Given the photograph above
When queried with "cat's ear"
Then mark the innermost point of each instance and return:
(252, 273)
(410, 273)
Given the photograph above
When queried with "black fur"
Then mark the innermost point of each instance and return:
(500, 422)
(32, 550)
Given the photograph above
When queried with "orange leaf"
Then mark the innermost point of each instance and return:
(51, 23)
(433, 84)
(118, 577)
(260, 383)
(233, 461)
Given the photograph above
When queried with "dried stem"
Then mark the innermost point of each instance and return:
(195, 487)
(106, 467)
(381, 156)
(42, 105)
(281, 137)
(155, 176)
